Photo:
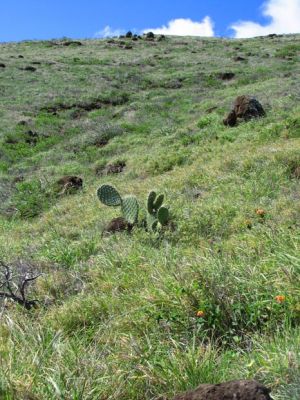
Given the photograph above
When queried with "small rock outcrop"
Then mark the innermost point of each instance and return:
(246, 108)
(234, 390)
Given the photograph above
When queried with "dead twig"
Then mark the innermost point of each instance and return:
(16, 291)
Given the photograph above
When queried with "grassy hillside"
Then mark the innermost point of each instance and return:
(117, 317)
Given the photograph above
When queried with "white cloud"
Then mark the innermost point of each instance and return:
(185, 27)
(109, 32)
(285, 18)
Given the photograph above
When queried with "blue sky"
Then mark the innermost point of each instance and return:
(46, 19)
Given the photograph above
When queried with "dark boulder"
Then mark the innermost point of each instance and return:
(234, 390)
(246, 108)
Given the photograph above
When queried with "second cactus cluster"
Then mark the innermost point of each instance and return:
(157, 216)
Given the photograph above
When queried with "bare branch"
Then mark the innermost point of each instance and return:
(19, 295)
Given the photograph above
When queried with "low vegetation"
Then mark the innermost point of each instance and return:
(147, 315)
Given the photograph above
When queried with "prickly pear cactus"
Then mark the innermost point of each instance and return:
(109, 196)
(158, 202)
(158, 215)
(130, 209)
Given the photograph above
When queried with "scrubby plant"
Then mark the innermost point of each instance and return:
(158, 215)
(109, 196)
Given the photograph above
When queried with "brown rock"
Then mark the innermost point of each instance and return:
(245, 107)
(231, 119)
(234, 390)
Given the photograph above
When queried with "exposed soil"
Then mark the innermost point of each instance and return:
(117, 225)
(226, 76)
(115, 168)
(94, 104)
(28, 68)
(234, 390)
(69, 184)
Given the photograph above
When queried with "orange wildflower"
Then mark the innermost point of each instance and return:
(260, 212)
(280, 298)
(200, 314)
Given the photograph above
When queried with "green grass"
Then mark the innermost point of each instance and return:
(118, 314)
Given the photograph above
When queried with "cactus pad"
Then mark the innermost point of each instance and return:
(109, 196)
(130, 209)
(158, 202)
(150, 202)
(163, 215)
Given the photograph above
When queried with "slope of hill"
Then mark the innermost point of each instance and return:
(118, 315)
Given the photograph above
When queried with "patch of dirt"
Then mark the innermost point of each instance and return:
(31, 137)
(234, 390)
(101, 142)
(115, 168)
(239, 58)
(246, 108)
(28, 68)
(69, 184)
(117, 225)
(226, 76)
(296, 173)
(91, 105)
